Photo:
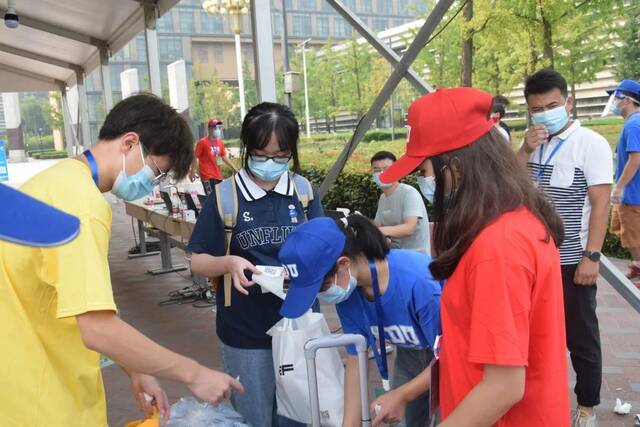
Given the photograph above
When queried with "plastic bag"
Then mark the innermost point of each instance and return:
(188, 412)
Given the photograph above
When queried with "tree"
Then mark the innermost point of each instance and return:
(33, 110)
(628, 53)
(354, 70)
(54, 117)
(210, 97)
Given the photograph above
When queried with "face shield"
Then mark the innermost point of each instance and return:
(613, 104)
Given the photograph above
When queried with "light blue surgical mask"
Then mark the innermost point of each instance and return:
(336, 293)
(217, 133)
(616, 110)
(427, 186)
(135, 186)
(380, 184)
(267, 170)
(554, 120)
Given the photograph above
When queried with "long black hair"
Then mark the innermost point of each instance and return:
(268, 119)
(363, 238)
(492, 183)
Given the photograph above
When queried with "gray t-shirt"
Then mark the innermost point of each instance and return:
(405, 201)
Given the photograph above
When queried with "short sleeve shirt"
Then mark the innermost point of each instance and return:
(54, 379)
(405, 202)
(628, 143)
(209, 152)
(583, 159)
(503, 305)
(411, 305)
(264, 221)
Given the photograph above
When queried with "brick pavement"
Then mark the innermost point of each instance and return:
(191, 331)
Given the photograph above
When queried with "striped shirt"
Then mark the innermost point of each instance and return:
(584, 159)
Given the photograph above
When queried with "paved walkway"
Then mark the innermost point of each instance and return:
(191, 330)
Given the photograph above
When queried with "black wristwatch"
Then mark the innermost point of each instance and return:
(593, 256)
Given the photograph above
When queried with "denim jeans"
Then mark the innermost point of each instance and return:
(258, 403)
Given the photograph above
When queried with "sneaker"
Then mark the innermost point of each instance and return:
(584, 419)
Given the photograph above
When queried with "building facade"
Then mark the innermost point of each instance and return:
(206, 42)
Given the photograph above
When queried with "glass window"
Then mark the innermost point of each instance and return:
(307, 4)
(165, 23)
(276, 22)
(247, 54)
(288, 4)
(211, 24)
(170, 48)
(403, 7)
(203, 54)
(115, 77)
(341, 28)
(118, 56)
(322, 26)
(218, 53)
(365, 6)
(421, 6)
(379, 24)
(301, 25)
(385, 7)
(351, 4)
(141, 49)
(187, 21)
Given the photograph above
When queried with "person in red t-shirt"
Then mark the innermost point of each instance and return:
(209, 150)
(503, 353)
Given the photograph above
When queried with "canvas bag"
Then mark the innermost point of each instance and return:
(292, 384)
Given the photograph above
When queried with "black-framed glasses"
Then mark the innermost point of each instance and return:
(277, 159)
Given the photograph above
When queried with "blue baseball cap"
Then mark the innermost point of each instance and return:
(629, 88)
(309, 254)
(27, 221)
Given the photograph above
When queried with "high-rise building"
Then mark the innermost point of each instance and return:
(206, 42)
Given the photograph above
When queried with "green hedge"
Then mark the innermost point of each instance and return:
(48, 155)
(357, 191)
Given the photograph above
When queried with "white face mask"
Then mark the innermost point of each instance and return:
(427, 185)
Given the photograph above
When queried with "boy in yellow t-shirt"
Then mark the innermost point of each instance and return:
(56, 304)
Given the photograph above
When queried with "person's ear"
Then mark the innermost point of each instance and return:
(570, 102)
(129, 141)
(343, 262)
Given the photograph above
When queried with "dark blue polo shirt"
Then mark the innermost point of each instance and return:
(264, 221)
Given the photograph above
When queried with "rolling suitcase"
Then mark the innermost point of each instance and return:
(330, 341)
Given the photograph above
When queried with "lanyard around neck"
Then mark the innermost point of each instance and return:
(380, 355)
(93, 165)
(543, 166)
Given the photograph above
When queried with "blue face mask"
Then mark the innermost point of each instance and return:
(217, 133)
(336, 293)
(427, 185)
(135, 186)
(267, 170)
(615, 108)
(380, 184)
(554, 120)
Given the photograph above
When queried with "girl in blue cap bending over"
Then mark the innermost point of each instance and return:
(376, 291)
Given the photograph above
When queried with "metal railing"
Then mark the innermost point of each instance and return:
(620, 283)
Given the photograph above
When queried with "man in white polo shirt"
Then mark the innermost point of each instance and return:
(573, 165)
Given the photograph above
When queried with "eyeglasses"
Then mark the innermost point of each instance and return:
(277, 159)
(161, 174)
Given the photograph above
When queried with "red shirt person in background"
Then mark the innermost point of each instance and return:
(503, 353)
(210, 150)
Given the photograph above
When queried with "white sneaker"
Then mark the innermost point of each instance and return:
(584, 419)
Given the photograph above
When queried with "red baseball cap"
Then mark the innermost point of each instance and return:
(442, 121)
(214, 122)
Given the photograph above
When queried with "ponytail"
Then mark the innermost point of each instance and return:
(363, 238)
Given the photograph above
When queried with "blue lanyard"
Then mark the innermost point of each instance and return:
(93, 165)
(380, 355)
(543, 166)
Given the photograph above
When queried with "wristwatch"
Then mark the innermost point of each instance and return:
(593, 256)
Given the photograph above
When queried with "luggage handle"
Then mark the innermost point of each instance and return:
(312, 346)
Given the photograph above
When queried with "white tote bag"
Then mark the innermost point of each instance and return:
(292, 384)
